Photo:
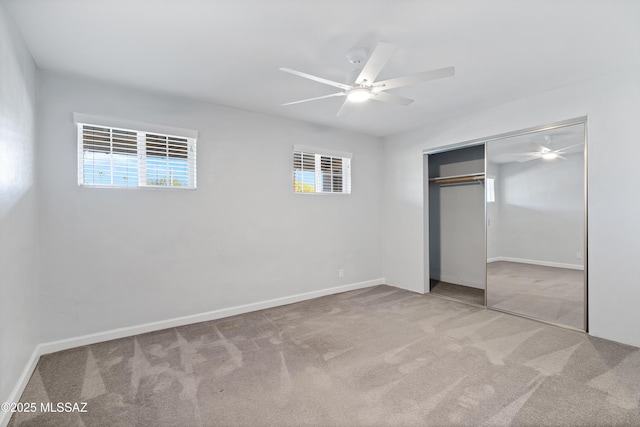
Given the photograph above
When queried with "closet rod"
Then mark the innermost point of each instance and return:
(457, 178)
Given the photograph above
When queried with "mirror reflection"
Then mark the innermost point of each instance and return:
(535, 191)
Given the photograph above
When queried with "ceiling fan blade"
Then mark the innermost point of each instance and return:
(345, 108)
(415, 78)
(391, 98)
(377, 60)
(316, 78)
(530, 153)
(529, 159)
(571, 146)
(317, 97)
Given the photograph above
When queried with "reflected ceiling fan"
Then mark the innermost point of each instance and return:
(365, 86)
(547, 153)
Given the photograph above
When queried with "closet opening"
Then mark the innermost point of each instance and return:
(456, 187)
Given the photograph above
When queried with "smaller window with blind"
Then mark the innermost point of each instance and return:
(321, 171)
(120, 156)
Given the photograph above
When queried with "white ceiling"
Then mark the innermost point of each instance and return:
(228, 51)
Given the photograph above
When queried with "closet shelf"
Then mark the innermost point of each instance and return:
(457, 178)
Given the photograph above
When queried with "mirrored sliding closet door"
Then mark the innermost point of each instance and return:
(535, 207)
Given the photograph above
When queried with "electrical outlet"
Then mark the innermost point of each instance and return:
(341, 272)
(579, 255)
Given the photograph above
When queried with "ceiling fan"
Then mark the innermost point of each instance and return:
(365, 86)
(547, 153)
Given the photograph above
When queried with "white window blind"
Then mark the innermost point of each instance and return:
(320, 173)
(118, 157)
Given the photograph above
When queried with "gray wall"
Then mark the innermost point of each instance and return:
(539, 212)
(117, 258)
(18, 208)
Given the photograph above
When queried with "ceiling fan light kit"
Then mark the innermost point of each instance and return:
(365, 86)
(359, 94)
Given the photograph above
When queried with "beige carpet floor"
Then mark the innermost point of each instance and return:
(461, 293)
(548, 293)
(380, 356)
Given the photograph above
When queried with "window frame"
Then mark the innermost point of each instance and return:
(143, 132)
(318, 154)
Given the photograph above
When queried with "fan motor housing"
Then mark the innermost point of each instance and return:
(356, 56)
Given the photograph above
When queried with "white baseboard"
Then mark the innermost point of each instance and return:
(459, 281)
(537, 262)
(52, 347)
(21, 384)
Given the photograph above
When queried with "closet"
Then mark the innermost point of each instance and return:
(457, 260)
(506, 223)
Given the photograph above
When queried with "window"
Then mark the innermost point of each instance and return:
(118, 156)
(318, 171)
(491, 190)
